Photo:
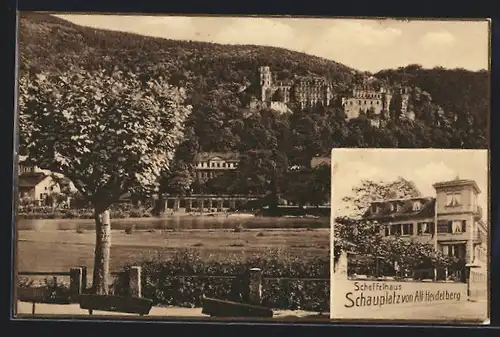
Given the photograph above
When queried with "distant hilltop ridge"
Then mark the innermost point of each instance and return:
(214, 75)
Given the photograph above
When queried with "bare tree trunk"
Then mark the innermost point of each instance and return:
(100, 284)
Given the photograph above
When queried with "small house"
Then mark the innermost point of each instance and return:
(37, 186)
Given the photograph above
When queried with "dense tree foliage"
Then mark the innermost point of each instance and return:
(451, 105)
(110, 132)
(369, 191)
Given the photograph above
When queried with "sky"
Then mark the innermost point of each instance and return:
(422, 166)
(363, 44)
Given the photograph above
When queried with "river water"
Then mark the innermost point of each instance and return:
(177, 223)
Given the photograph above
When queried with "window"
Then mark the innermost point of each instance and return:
(391, 207)
(416, 206)
(407, 229)
(458, 226)
(395, 230)
(444, 227)
(399, 207)
(425, 228)
(453, 199)
(399, 229)
(454, 250)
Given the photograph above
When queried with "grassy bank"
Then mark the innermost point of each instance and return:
(60, 250)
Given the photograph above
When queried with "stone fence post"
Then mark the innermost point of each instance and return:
(84, 279)
(255, 286)
(134, 281)
(76, 282)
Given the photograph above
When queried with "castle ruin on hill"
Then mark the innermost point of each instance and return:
(303, 91)
(377, 104)
(384, 103)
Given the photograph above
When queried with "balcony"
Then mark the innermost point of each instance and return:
(478, 212)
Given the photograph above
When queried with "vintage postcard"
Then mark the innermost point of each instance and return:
(410, 234)
(180, 166)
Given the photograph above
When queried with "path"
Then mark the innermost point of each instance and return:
(74, 310)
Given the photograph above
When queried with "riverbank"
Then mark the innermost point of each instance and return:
(60, 250)
(75, 214)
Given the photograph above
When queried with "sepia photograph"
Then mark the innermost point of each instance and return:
(180, 166)
(410, 235)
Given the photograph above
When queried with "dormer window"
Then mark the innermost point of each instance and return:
(399, 207)
(453, 199)
(391, 207)
(416, 206)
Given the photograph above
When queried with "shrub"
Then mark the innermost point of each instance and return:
(183, 278)
(59, 291)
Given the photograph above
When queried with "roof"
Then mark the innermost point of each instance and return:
(457, 182)
(384, 212)
(31, 179)
(317, 161)
(207, 156)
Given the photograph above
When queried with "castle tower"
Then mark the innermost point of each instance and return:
(265, 81)
(386, 101)
(457, 212)
(405, 96)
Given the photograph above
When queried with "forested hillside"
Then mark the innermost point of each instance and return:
(214, 74)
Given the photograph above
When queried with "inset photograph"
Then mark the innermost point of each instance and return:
(410, 232)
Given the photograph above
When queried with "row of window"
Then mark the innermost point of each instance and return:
(25, 169)
(372, 96)
(205, 175)
(217, 164)
(452, 200)
(455, 226)
(416, 206)
(365, 102)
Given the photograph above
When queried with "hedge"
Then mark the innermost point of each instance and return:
(184, 278)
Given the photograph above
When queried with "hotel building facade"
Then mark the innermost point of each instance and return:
(452, 221)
